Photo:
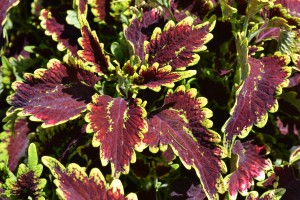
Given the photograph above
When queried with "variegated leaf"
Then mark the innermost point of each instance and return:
(118, 126)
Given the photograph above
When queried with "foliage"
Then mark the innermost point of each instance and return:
(150, 99)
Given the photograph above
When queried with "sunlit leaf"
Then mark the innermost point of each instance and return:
(93, 50)
(169, 126)
(13, 144)
(140, 30)
(153, 77)
(54, 95)
(74, 184)
(177, 44)
(256, 96)
(66, 35)
(250, 164)
(118, 126)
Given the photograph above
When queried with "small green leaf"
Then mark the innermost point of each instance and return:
(32, 157)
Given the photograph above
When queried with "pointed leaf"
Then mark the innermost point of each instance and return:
(118, 126)
(251, 164)
(140, 30)
(177, 45)
(170, 126)
(66, 35)
(197, 115)
(256, 96)
(93, 50)
(14, 144)
(74, 184)
(154, 77)
(100, 9)
(54, 95)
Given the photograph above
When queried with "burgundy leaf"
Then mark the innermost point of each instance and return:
(292, 6)
(14, 144)
(118, 126)
(100, 9)
(54, 95)
(27, 185)
(251, 164)
(5, 6)
(295, 79)
(74, 184)
(65, 34)
(82, 7)
(268, 33)
(93, 51)
(176, 124)
(197, 115)
(169, 127)
(154, 77)
(256, 96)
(177, 45)
(140, 30)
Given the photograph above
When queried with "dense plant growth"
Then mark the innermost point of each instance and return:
(156, 99)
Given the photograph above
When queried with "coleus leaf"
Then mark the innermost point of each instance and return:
(55, 25)
(250, 164)
(93, 50)
(256, 96)
(140, 30)
(118, 126)
(4, 8)
(100, 9)
(177, 45)
(291, 6)
(287, 9)
(28, 183)
(170, 126)
(54, 95)
(153, 77)
(74, 184)
(14, 144)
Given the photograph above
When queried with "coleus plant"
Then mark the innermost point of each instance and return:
(117, 103)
